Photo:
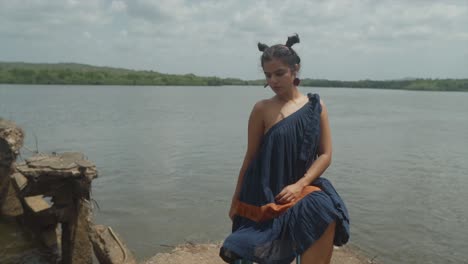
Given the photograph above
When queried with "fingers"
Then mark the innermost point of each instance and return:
(284, 198)
(281, 197)
(282, 194)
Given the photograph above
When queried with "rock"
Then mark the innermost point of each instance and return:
(36, 203)
(12, 135)
(64, 165)
(189, 254)
(10, 205)
(11, 140)
(51, 240)
(19, 181)
(38, 213)
(49, 237)
(50, 174)
(76, 244)
(209, 254)
(109, 247)
(64, 178)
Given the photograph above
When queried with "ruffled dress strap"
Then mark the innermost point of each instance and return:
(311, 130)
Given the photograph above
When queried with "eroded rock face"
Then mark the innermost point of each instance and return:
(76, 244)
(65, 179)
(109, 247)
(11, 140)
(13, 136)
(52, 195)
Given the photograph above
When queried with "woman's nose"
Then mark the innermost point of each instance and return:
(274, 79)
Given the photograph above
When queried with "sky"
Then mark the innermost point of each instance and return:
(340, 40)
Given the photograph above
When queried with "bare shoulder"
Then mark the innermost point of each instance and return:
(258, 111)
(259, 105)
(256, 121)
(263, 105)
(322, 103)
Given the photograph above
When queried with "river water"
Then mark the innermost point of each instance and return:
(168, 159)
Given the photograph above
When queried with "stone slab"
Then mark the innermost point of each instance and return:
(62, 165)
(19, 181)
(37, 203)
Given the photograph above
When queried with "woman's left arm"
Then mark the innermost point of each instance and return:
(293, 191)
(324, 151)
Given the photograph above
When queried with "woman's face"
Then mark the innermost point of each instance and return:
(278, 75)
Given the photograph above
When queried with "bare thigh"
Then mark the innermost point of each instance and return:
(321, 251)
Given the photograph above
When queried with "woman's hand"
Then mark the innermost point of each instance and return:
(289, 194)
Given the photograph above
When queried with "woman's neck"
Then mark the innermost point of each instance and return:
(291, 95)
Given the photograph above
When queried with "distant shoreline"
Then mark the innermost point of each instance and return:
(82, 74)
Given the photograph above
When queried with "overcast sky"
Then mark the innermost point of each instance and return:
(345, 40)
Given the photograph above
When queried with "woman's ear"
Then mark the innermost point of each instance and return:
(297, 67)
(295, 70)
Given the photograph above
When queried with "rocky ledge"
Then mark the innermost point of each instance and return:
(208, 254)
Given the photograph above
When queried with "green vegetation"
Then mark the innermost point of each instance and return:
(72, 73)
(414, 84)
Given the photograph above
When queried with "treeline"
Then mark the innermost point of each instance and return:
(71, 73)
(413, 84)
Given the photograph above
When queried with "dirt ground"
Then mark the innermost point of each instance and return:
(208, 254)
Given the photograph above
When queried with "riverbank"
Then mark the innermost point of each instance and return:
(208, 254)
(82, 74)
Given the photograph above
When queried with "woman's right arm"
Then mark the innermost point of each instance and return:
(256, 129)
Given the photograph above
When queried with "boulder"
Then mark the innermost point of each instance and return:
(109, 247)
(11, 140)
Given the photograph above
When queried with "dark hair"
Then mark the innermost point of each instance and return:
(285, 53)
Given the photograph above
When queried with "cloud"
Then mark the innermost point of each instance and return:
(87, 35)
(118, 6)
(45, 19)
(340, 39)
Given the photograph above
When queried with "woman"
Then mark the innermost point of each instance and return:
(281, 207)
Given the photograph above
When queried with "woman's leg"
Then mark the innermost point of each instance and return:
(321, 251)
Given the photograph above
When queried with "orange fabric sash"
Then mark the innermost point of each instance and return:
(271, 210)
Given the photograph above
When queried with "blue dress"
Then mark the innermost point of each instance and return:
(265, 232)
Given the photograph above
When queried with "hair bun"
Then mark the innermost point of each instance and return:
(292, 40)
(262, 47)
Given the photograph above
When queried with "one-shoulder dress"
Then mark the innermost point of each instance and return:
(266, 232)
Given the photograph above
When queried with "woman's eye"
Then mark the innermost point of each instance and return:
(279, 74)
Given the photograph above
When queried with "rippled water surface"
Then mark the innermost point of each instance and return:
(168, 159)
